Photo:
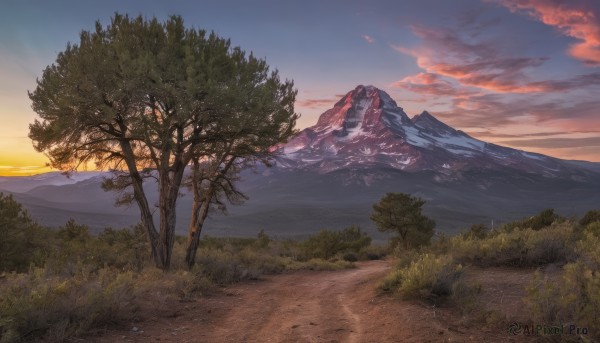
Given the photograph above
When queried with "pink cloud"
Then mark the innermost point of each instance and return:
(431, 84)
(319, 103)
(368, 38)
(572, 18)
(444, 52)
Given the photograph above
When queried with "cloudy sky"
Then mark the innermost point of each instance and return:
(521, 73)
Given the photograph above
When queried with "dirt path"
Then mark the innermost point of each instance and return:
(305, 306)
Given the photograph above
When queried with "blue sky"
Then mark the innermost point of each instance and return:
(523, 73)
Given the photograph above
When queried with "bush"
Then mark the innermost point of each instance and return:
(72, 245)
(537, 222)
(429, 277)
(38, 306)
(22, 241)
(126, 248)
(526, 247)
(593, 228)
(590, 217)
(575, 297)
(326, 244)
(476, 231)
(373, 252)
(226, 260)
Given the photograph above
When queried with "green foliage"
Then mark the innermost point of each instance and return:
(41, 306)
(476, 231)
(575, 296)
(537, 222)
(262, 240)
(72, 246)
(592, 216)
(22, 241)
(91, 282)
(429, 277)
(401, 214)
(593, 228)
(140, 96)
(72, 231)
(525, 247)
(126, 248)
(326, 244)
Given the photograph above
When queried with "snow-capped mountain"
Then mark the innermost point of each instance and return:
(366, 128)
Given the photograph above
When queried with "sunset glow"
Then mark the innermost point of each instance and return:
(520, 73)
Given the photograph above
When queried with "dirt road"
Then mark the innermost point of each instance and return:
(307, 306)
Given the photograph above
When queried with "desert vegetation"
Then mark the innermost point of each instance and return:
(57, 284)
(435, 272)
(63, 283)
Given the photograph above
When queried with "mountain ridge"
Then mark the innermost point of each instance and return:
(366, 128)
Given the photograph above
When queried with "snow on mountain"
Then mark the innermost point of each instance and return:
(367, 128)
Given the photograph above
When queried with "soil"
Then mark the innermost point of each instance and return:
(327, 306)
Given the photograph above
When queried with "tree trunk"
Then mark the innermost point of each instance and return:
(142, 201)
(170, 182)
(201, 212)
(200, 208)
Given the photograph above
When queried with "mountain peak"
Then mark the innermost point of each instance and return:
(426, 121)
(379, 97)
(360, 110)
(366, 128)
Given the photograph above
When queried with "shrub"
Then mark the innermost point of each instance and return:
(428, 277)
(38, 306)
(593, 228)
(373, 252)
(537, 222)
(126, 248)
(326, 244)
(590, 217)
(22, 241)
(525, 247)
(575, 297)
(476, 231)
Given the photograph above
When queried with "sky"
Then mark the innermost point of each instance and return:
(520, 73)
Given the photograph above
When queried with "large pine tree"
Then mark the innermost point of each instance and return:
(147, 99)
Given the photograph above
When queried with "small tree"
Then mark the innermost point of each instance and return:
(477, 231)
(401, 213)
(21, 238)
(590, 217)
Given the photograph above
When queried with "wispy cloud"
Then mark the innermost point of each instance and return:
(445, 52)
(488, 86)
(319, 103)
(22, 170)
(491, 134)
(573, 18)
(368, 39)
(555, 143)
(431, 84)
